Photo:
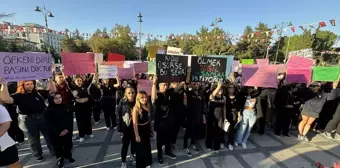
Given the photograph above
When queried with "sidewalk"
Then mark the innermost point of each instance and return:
(266, 151)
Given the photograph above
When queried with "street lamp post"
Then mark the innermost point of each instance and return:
(280, 27)
(46, 14)
(140, 34)
(214, 24)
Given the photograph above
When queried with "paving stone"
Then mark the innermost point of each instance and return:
(264, 140)
(290, 159)
(318, 156)
(259, 160)
(333, 148)
(85, 155)
(228, 161)
(195, 162)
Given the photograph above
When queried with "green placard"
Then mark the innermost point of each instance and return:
(326, 73)
(247, 61)
(151, 67)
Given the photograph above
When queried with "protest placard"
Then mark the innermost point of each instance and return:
(247, 72)
(107, 71)
(152, 51)
(299, 75)
(151, 67)
(25, 66)
(208, 69)
(174, 51)
(141, 67)
(171, 68)
(145, 85)
(299, 62)
(247, 61)
(329, 74)
(118, 64)
(230, 61)
(78, 63)
(129, 64)
(262, 61)
(265, 76)
(98, 58)
(115, 57)
(125, 73)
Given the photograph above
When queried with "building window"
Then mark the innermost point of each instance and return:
(23, 34)
(41, 41)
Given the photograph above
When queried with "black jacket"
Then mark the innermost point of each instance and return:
(58, 118)
(124, 107)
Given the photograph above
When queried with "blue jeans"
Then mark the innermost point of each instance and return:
(245, 126)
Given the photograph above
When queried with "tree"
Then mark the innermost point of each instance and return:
(68, 44)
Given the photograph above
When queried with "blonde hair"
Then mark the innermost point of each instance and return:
(126, 90)
(138, 106)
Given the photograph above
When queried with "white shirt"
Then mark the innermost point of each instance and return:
(5, 140)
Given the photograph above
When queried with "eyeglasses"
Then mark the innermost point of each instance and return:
(130, 92)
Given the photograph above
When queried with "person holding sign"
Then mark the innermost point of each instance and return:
(314, 102)
(164, 120)
(32, 105)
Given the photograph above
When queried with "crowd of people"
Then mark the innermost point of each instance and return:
(222, 113)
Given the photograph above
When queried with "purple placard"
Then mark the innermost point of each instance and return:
(299, 75)
(125, 73)
(25, 66)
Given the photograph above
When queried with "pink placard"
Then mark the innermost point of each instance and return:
(125, 73)
(78, 63)
(247, 72)
(145, 85)
(299, 75)
(299, 62)
(262, 61)
(140, 67)
(25, 66)
(265, 76)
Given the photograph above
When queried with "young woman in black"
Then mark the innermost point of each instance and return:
(141, 125)
(125, 126)
(83, 108)
(216, 118)
(60, 122)
(164, 120)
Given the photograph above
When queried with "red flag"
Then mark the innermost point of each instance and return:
(20, 28)
(332, 22)
(293, 29)
(322, 24)
(3, 27)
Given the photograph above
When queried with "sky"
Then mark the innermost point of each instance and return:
(163, 17)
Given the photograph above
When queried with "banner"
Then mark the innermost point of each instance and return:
(107, 71)
(140, 67)
(25, 66)
(115, 57)
(328, 74)
(145, 85)
(151, 67)
(262, 76)
(171, 68)
(118, 64)
(152, 51)
(247, 61)
(299, 62)
(299, 75)
(262, 61)
(78, 63)
(125, 73)
(98, 58)
(208, 69)
(173, 51)
(306, 53)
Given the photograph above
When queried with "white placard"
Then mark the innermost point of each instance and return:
(98, 58)
(107, 71)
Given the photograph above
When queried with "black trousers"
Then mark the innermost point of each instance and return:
(283, 120)
(109, 109)
(83, 117)
(96, 111)
(192, 132)
(177, 127)
(232, 118)
(63, 146)
(262, 120)
(215, 135)
(14, 131)
(161, 140)
(334, 122)
(128, 138)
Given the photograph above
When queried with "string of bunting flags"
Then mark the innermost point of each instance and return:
(6, 27)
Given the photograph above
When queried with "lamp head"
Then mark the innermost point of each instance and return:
(290, 24)
(275, 27)
(219, 20)
(37, 9)
(50, 14)
(212, 25)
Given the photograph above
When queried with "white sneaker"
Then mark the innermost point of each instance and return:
(244, 146)
(97, 122)
(123, 165)
(222, 146)
(91, 136)
(230, 147)
(235, 144)
(115, 128)
(107, 128)
(209, 150)
(81, 140)
(148, 167)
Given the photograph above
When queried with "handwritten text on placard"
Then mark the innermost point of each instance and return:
(107, 71)
(171, 68)
(208, 69)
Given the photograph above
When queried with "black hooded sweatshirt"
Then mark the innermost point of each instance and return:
(58, 118)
